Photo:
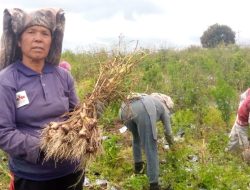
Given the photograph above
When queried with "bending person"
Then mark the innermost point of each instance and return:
(238, 138)
(140, 115)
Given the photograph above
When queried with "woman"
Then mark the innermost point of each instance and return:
(238, 137)
(140, 115)
(34, 91)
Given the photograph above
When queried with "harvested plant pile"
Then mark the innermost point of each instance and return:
(78, 138)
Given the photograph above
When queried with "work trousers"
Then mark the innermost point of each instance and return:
(72, 181)
(141, 129)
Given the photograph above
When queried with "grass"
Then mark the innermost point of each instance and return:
(4, 172)
(196, 163)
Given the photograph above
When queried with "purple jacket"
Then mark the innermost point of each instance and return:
(30, 100)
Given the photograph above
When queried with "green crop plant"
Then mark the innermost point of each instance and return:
(224, 96)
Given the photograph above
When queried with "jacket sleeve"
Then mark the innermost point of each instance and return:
(73, 98)
(243, 112)
(165, 118)
(12, 140)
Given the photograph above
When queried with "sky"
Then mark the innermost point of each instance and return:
(154, 24)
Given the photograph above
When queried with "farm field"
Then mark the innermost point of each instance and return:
(205, 85)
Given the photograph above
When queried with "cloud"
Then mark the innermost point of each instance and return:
(96, 9)
(179, 22)
(93, 9)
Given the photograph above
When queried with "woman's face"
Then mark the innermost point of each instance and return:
(35, 43)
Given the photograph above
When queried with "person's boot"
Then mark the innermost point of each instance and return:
(154, 186)
(139, 168)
